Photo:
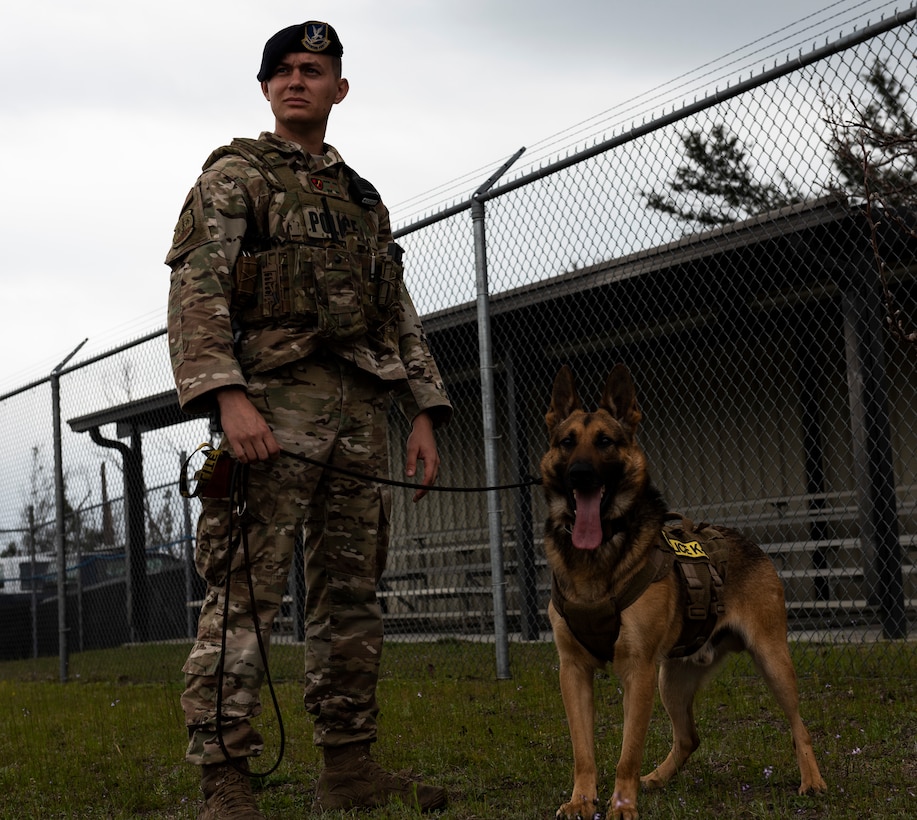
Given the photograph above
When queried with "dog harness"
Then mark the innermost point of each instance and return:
(699, 554)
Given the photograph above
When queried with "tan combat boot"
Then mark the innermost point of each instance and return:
(228, 793)
(351, 779)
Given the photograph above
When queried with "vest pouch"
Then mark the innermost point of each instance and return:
(262, 286)
(390, 282)
(339, 294)
(303, 307)
(384, 275)
(275, 286)
(246, 277)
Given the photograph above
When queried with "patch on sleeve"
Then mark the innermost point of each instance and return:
(184, 228)
(190, 230)
(685, 549)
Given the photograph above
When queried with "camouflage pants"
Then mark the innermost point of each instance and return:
(330, 411)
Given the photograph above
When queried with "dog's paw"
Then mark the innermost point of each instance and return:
(815, 786)
(581, 808)
(621, 808)
(653, 780)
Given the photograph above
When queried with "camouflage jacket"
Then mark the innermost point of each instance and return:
(229, 198)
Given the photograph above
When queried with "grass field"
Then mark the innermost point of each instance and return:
(109, 743)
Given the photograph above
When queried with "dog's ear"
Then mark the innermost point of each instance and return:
(620, 397)
(563, 399)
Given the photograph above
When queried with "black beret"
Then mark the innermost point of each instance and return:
(315, 37)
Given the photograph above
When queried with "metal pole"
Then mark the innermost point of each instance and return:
(488, 410)
(60, 523)
(138, 582)
(137, 588)
(33, 586)
(872, 449)
(78, 532)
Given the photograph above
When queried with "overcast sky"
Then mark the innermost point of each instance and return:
(109, 108)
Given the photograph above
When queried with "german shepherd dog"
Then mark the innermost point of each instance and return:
(603, 528)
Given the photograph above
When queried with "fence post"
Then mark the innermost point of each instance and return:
(488, 410)
(78, 543)
(32, 584)
(60, 524)
(872, 447)
(137, 583)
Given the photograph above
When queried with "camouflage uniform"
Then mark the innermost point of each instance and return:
(326, 398)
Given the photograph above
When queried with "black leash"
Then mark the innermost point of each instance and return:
(238, 494)
(527, 480)
(213, 478)
(210, 479)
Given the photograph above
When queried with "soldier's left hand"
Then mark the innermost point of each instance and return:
(422, 447)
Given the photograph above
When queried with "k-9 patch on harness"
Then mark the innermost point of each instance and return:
(685, 550)
(701, 568)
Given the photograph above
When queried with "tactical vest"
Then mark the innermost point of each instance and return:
(312, 262)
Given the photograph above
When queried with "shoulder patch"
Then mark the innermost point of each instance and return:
(184, 228)
(190, 230)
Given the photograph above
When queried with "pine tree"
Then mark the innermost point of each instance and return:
(873, 148)
(717, 184)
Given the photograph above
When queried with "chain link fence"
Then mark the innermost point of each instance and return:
(727, 252)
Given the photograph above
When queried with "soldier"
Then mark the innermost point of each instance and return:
(288, 318)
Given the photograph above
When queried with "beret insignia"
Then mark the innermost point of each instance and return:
(316, 37)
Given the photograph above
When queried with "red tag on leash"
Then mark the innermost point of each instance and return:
(214, 479)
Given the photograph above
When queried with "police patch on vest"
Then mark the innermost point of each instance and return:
(321, 224)
(184, 228)
(685, 549)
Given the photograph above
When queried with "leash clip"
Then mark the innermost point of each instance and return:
(241, 503)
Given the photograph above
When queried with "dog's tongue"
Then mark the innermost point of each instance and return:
(587, 526)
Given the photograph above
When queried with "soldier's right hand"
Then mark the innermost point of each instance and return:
(249, 437)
